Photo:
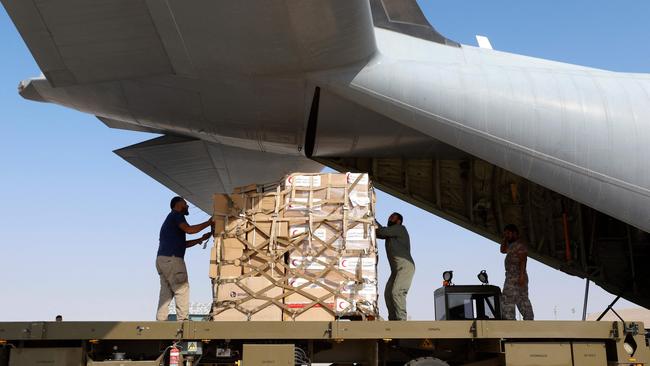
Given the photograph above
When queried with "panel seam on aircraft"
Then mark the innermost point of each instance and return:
(214, 166)
(176, 59)
(56, 47)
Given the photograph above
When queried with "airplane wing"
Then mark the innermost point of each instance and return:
(197, 169)
(78, 42)
(119, 39)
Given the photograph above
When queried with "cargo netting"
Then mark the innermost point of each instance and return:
(302, 249)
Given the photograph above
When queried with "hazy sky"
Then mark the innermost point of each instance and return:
(81, 225)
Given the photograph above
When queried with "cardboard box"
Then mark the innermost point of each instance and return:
(231, 249)
(298, 180)
(366, 266)
(229, 271)
(325, 195)
(322, 288)
(360, 237)
(233, 242)
(221, 210)
(299, 206)
(212, 273)
(322, 241)
(219, 224)
(315, 313)
(234, 227)
(242, 294)
(270, 313)
(242, 290)
(315, 180)
(221, 204)
(260, 232)
(313, 265)
(297, 303)
(318, 288)
(257, 263)
(240, 202)
(357, 297)
(265, 203)
(246, 188)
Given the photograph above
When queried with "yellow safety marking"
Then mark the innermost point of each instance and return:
(192, 347)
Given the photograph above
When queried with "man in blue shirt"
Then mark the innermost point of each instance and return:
(170, 263)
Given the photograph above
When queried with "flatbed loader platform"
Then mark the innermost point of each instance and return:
(478, 342)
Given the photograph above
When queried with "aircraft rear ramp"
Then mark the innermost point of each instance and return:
(482, 197)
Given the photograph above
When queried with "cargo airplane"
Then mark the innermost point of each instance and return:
(246, 91)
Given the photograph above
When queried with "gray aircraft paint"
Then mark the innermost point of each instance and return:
(579, 131)
(576, 130)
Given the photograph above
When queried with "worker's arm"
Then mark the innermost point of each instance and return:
(523, 258)
(385, 232)
(504, 246)
(193, 229)
(191, 243)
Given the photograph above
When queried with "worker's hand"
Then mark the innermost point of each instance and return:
(523, 280)
(206, 236)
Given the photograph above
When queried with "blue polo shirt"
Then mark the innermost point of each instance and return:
(172, 238)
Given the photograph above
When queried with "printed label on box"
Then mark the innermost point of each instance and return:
(320, 233)
(356, 234)
(357, 245)
(352, 177)
(304, 181)
(343, 306)
(364, 290)
(350, 264)
(297, 230)
(359, 199)
(302, 203)
(309, 263)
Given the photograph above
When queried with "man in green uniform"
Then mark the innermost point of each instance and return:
(515, 288)
(402, 267)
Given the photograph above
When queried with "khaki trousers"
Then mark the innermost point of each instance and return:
(173, 284)
(397, 287)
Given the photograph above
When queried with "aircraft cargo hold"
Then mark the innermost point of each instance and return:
(301, 249)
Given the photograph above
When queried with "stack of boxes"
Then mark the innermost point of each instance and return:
(303, 249)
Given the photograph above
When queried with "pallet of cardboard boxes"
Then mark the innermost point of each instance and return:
(301, 249)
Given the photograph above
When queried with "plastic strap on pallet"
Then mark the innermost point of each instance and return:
(346, 198)
(294, 244)
(276, 213)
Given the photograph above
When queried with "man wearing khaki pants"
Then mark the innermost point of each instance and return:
(170, 263)
(402, 267)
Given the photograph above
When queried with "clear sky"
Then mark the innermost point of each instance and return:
(80, 225)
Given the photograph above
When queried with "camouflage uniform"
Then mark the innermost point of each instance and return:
(513, 294)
